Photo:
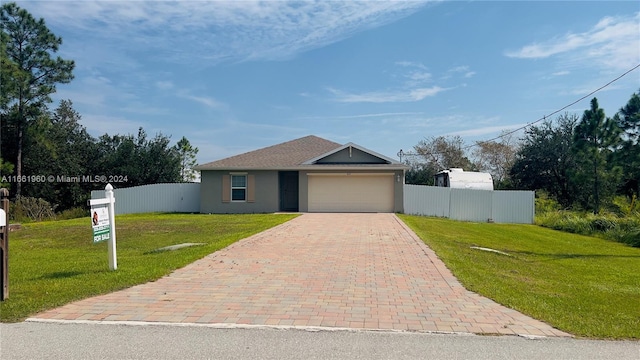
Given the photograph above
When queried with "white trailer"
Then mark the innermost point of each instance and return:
(459, 179)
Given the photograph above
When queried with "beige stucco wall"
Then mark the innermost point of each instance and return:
(267, 199)
(266, 194)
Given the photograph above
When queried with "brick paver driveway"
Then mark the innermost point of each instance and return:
(366, 271)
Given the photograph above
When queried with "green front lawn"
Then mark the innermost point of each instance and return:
(586, 286)
(53, 263)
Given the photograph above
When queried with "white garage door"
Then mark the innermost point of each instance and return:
(351, 193)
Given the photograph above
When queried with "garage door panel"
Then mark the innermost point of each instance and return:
(351, 193)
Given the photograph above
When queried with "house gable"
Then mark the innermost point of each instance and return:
(351, 154)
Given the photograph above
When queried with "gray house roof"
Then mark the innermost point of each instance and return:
(287, 154)
(296, 154)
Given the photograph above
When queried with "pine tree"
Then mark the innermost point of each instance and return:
(628, 119)
(187, 159)
(595, 138)
(28, 46)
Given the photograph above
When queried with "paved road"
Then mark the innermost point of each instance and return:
(94, 341)
(365, 271)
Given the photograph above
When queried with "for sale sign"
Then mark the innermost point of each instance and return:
(100, 223)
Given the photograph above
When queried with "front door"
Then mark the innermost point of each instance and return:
(288, 190)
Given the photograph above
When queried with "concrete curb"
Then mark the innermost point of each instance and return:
(270, 327)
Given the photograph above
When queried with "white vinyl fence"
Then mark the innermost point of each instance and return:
(459, 204)
(179, 197)
(516, 207)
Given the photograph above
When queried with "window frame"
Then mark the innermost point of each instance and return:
(245, 187)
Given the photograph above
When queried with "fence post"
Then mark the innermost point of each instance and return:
(4, 243)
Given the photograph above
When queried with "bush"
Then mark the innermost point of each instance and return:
(563, 220)
(73, 213)
(624, 229)
(545, 204)
(25, 209)
(624, 206)
(625, 236)
(603, 224)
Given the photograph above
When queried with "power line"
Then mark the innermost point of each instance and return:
(402, 153)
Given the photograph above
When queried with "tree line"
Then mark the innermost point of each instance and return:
(47, 153)
(581, 162)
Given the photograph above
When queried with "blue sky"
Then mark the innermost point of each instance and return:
(237, 76)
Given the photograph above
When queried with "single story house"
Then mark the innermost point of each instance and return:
(309, 174)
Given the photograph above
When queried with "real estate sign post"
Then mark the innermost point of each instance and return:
(104, 223)
(4, 244)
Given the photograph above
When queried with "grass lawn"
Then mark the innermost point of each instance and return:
(583, 285)
(54, 263)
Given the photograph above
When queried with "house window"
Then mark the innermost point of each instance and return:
(238, 187)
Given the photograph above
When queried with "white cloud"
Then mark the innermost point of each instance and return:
(403, 95)
(97, 125)
(421, 122)
(459, 69)
(421, 93)
(407, 63)
(164, 85)
(485, 130)
(587, 89)
(418, 77)
(220, 30)
(140, 108)
(464, 125)
(91, 99)
(97, 91)
(561, 73)
(612, 43)
(384, 117)
(208, 151)
(231, 126)
(207, 101)
(204, 100)
(413, 88)
(463, 70)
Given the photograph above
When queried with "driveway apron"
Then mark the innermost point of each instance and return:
(363, 271)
